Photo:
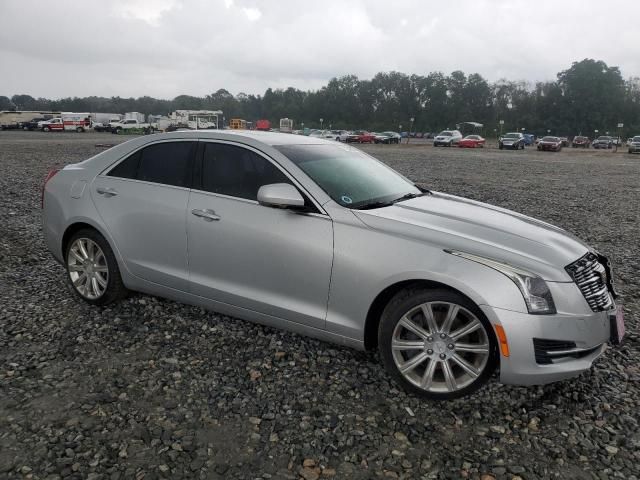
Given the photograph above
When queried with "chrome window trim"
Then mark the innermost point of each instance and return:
(145, 182)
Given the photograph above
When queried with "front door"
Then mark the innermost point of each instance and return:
(273, 261)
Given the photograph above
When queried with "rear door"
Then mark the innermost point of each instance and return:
(142, 201)
(269, 260)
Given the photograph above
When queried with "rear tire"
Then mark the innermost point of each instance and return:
(92, 269)
(437, 363)
(45, 129)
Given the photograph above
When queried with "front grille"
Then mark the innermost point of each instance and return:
(591, 276)
(546, 351)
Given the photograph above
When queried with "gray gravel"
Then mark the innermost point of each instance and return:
(153, 389)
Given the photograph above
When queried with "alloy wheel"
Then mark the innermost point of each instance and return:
(440, 347)
(87, 267)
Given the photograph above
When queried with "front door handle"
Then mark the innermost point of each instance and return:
(208, 215)
(107, 192)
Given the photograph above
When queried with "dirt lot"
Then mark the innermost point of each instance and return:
(153, 389)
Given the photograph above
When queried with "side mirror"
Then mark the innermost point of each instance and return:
(280, 195)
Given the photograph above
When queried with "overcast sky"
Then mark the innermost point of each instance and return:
(165, 48)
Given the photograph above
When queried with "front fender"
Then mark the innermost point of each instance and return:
(366, 262)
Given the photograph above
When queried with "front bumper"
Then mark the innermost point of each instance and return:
(589, 331)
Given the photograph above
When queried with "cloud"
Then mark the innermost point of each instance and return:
(149, 11)
(252, 14)
(169, 47)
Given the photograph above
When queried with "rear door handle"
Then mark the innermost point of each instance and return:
(107, 192)
(208, 215)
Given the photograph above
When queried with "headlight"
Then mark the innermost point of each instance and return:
(534, 289)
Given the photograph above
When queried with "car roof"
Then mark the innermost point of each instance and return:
(268, 138)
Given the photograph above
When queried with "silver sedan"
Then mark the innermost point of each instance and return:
(320, 238)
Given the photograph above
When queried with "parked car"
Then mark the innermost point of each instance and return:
(552, 144)
(328, 241)
(634, 145)
(472, 141)
(328, 134)
(361, 136)
(102, 127)
(32, 124)
(513, 140)
(447, 138)
(603, 141)
(448, 289)
(580, 141)
(388, 137)
(340, 135)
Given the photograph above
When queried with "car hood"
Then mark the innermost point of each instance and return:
(457, 223)
(440, 138)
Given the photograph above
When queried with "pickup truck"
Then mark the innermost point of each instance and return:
(131, 124)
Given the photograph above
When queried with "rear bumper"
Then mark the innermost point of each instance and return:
(590, 334)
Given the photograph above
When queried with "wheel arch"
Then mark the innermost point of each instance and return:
(378, 305)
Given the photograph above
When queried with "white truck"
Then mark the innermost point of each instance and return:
(131, 125)
(67, 122)
(197, 119)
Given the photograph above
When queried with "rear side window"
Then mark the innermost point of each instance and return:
(128, 168)
(236, 171)
(167, 163)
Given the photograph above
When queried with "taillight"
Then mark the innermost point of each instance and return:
(49, 176)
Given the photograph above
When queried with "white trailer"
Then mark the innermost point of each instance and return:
(135, 116)
(286, 125)
(105, 118)
(197, 119)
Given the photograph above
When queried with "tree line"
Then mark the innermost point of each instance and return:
(588, 96)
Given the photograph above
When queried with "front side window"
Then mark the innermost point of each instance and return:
(236, 171)
(167, 163)
(349, 176)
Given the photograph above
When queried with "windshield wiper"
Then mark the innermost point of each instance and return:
(388, 203)
(408, 196)
(369, 206)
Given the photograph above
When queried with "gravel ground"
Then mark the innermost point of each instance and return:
(153, 389)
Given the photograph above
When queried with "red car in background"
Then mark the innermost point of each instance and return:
(360, 136)
(472, 141)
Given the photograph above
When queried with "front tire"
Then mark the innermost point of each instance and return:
(45, 129)
(436, 343)
(92, 268)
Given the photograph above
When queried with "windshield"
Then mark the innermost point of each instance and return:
(349, 176)
(604, 138)
(550, 139)
(472, 137)
(635, 139)
(512, 135)
(445, 134)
